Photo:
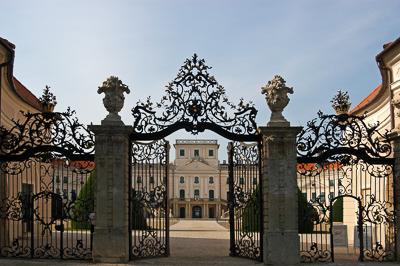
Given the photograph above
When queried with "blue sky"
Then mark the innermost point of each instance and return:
(317, 46)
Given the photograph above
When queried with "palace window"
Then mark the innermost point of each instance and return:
(211, 194)
(241, 181)
(196, 153)
(331, 182)
(151, 180)
(211, 180)
(304, 194)
(210, 153)
(182, 194)
(139, 179)
(196, 180)
(331, 195)
(313, 196)
(196, 194)
(322, 196)
(65, 193)
(65, 179)
(182, 179)
(254, 180)
(181, 152)
(227, 180)
(73, 195)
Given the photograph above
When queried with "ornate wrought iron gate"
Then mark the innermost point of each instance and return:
(46, 187)
(194, 101)
(245, 201)
(149, 199)
(344, 165)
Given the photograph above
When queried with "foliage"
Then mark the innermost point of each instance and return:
(84, 204)
(306, 214)
(338, 210)
(251, 213)
(138, 221)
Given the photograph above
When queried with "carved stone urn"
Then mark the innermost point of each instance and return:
(47, 100)
(341, 102)
(276, 95)
(114, 98)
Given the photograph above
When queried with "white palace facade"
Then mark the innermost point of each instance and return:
(198, 182)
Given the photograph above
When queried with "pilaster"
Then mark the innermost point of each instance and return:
(281, 239)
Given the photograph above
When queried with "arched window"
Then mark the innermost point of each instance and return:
(196, 194)
(182, 194)
(211, 180)
(211, 194)
(182, 179)
(196, 180)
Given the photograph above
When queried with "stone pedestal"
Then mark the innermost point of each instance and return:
(111, 233)
(395, 137)
(281, 239)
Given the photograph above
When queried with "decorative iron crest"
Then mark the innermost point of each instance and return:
(330, 135)
(43, 133)
(194, 101)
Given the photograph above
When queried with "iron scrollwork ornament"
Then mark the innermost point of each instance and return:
(194, 101)
(43, 133)
(329, 135)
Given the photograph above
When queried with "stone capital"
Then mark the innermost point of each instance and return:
(111, 129)
(278, 130)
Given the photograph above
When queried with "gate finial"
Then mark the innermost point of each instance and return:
(113, 100)
(341, 102)
(276, 95)
(47, 100)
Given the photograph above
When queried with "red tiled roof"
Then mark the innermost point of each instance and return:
(26, 95)
(370, 97)
(313, 166)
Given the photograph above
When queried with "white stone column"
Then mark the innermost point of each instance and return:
(112, 150)
(395, 137)
(281, 238)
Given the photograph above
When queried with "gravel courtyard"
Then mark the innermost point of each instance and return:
(193, 242)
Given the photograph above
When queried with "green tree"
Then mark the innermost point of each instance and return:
(251, 213)
(84, 204)
(138, 219)
(306, 214)
(338, 210)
